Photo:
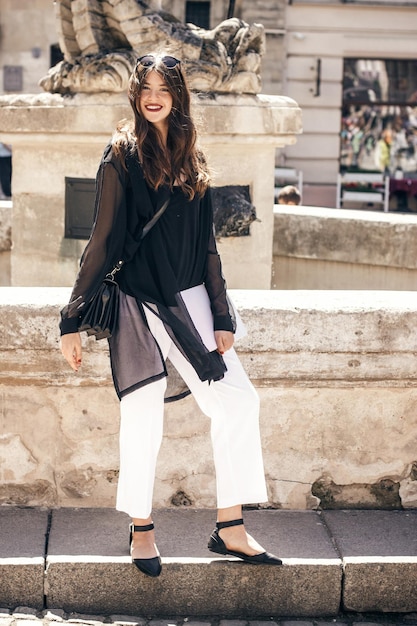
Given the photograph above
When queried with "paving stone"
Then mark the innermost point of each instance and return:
(26, 621)
(262, 623)
(127, 620)
(333, 622)
(93, 620)
(379, 552)
(22, 551)
(55, 615)
(193, 581)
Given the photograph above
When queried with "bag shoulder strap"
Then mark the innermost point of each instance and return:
(132, 162)
(135, 170)
(154, 219)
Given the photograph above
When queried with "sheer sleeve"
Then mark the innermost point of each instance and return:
(105, 245)
(216, 287)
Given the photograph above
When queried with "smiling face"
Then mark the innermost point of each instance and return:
(155, 101)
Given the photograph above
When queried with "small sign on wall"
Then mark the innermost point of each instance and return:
(79, 207)
(12, 78)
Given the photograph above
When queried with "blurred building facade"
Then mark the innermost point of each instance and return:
(350, 64)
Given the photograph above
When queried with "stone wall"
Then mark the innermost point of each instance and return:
(5, 240)
(315, 248)
(320, 248)
(54, 137)
(336, 372)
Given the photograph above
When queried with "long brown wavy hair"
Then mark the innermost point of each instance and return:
(180, 162)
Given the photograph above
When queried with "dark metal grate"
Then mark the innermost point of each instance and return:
(198, 13)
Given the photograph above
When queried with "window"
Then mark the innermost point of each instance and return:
(362, 2)
(13, 78)
(198, 13)
(55, 54)
(379, 116)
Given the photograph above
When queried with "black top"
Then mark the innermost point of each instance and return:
(179, 252)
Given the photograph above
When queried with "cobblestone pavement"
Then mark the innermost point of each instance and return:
(30, 617)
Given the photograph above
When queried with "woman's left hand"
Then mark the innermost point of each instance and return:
(224, 340)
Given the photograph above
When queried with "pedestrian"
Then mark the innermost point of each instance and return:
(170, 285)
(289, 195)
(383, 154)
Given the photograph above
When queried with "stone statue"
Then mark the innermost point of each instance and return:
(101, 39)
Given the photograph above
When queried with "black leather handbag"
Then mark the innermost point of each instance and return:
(100, 316)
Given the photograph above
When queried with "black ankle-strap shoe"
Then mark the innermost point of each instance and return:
(217, 545)
(150, 567)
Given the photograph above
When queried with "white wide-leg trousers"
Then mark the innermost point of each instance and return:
(233, 407)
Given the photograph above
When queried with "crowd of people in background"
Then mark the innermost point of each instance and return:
(379, 140)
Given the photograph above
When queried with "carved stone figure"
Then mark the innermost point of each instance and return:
(101, 39)
(233, 211)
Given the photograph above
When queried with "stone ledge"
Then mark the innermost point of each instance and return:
(22, 556)
(379, 554)
(384, 584)
(328, 557)
(291, 336)
(237, 115)
(5, 225)
(88, 569)
(347, 236)
(335, 372)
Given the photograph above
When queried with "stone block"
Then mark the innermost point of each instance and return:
(188, 587)
(5, 225)
(192, 577)
(242, 131)
(380, 584)
(379, 553)
(22, 552)
(346, 236)
(338, 409)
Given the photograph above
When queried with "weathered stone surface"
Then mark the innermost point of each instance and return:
(379, 552)
(5, 225)
(335, 372)
(110, 35)
(240, 135)
(348, 236)
(320, 248)
(381, 495)
(72, 583)
(79, 556)
(380, 584)
(22, 551)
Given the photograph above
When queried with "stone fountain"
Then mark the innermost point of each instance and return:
(59, 136)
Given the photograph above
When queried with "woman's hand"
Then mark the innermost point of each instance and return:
(71, 349)
(224, 340)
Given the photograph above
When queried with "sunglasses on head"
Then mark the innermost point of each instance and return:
(149, 59)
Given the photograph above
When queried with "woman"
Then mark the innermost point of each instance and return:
(170, 285)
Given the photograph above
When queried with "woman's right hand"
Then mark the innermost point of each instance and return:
(71, 349)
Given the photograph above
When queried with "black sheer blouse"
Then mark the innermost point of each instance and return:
(178, 253)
